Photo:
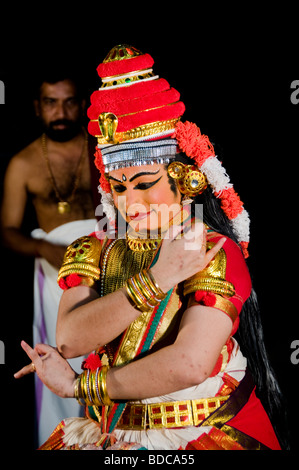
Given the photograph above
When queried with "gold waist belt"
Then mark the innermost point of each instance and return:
(174, 414)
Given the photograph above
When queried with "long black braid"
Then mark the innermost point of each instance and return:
(250, 332)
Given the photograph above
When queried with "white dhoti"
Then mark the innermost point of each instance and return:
(50, 409)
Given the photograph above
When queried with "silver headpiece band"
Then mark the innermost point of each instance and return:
(138, 153)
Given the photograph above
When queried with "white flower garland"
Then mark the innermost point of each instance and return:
(219, 180)
(108, 204)
(216, 174)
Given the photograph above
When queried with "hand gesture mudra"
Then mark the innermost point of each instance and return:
(53, 370)
(183, 254)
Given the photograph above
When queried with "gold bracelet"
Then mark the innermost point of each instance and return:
(131, 291)
(149, 298)
(149, 278)
(103, 386)
(137, 300)
(144, 288)
(143, 291)
(81, 388)
(91, 387)
(76, 390)
(85, 387)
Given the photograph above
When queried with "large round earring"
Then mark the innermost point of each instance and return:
(190, 180)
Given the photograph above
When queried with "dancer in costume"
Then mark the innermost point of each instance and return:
(158, 315)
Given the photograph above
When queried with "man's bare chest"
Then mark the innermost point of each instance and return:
(62, 182)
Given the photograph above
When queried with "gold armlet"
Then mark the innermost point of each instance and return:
(212, 278)
(82, 258)
(218, 302)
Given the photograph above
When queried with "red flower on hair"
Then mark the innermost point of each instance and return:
(193, 143)
(244, 246)
(230, 202)
(100, 166)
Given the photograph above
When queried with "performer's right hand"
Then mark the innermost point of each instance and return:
(53, 370)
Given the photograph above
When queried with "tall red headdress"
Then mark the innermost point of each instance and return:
(135, 116)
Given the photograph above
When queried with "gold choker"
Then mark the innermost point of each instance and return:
(143, 244)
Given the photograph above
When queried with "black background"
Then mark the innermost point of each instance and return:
(234, 71)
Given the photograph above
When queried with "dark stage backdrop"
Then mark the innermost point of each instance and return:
(236, 84)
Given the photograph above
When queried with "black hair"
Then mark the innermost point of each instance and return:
(250, 332)
(57, 72)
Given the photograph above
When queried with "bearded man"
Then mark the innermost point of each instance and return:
(53, 174)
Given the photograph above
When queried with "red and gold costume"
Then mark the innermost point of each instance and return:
(221, 413)
(133, 112)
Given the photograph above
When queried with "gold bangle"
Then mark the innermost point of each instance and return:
(149, 299)
(99, 396)
(143, 287)
(81, 388)
(92, 390)
(134, 295)
(147, 286)
(88, 399)
(103, 386)
(148, 276)
(76, 391)
(86, 390)
(91, 387)
(84, 386)
(149, 283)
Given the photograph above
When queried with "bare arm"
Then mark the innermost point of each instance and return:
(12, 214)
(187, 362)
(13, 208)
(86, 322)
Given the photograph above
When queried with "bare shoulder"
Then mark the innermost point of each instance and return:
(29, 154)
(25, 160)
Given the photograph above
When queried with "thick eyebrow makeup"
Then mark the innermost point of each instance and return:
(142, 173)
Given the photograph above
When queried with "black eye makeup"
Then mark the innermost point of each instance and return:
(148, 185)
(120, 188)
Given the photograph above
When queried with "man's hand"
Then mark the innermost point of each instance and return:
(52, 253)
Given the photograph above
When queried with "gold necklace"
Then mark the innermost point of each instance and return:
(64, 206)
(141, 244)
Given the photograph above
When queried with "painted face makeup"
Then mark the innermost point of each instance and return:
(144, 197)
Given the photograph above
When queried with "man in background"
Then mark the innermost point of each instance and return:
(53, 175)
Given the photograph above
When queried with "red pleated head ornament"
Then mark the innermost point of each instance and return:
(136, 117)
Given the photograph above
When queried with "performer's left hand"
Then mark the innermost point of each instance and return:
(53, 370)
